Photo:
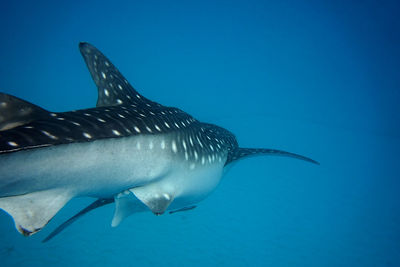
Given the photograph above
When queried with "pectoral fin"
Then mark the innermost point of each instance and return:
(31, 212)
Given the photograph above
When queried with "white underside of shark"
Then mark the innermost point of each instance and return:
(143, 165)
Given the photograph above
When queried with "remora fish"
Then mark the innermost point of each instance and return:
(128, 149)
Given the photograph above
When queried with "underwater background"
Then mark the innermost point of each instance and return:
(318, 78)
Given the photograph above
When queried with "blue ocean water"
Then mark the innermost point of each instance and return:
(318, 78)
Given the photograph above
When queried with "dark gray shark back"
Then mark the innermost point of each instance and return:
(41, 129)
(121, 111)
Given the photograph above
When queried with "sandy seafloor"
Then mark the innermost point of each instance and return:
(319, 79)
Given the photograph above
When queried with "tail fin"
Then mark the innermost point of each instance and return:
(248, 152)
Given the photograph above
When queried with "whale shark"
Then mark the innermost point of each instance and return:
(127, 150)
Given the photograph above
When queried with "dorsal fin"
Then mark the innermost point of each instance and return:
(113, 88)
(240, 153)
(15, 112)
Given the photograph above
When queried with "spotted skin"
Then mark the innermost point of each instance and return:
(121, 112)
(126, 145)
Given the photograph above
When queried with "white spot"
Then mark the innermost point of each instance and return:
(191, 140)
(138, 145)
(174, 148)
(107, 64)
(86, 114)
(119, 101)
(76, 123)
(151, 145)
(101, 120)
(166, 124)
(184, 144)
(198, 140)
(212, 148)
(203, 160)
(11, 143)
(120, 87)
(158, 128)
(142, 115)
(60, 118)
(3, 104)
(186, 155)
(148, 129)
(104, 75)
(137, 129)
(49, 135)
(167, 197)
(138, 96)
(115, 132)
(177, 126)
(162, 144)
(53, 114)
(209, 158)
(28, 127)
(121, 116)
(87, 135)
(196, 156)
(106, 92)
